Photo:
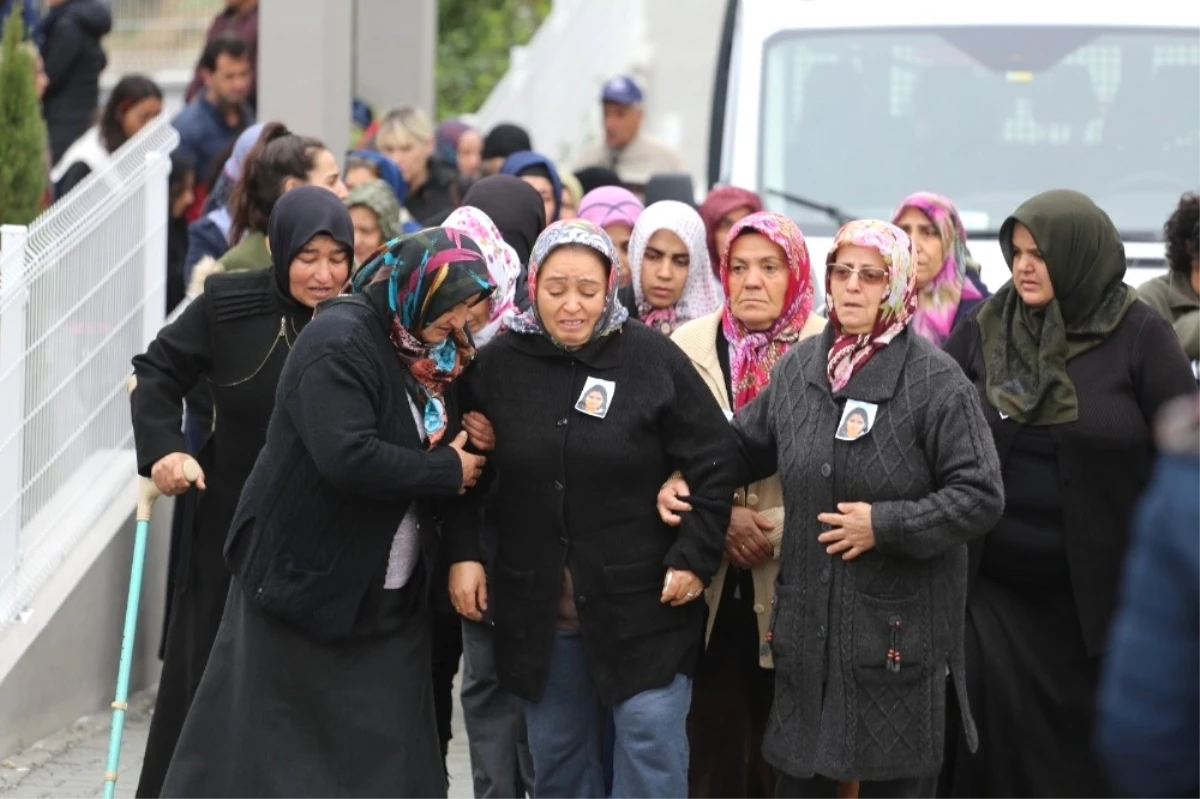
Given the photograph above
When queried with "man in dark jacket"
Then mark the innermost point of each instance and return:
(70, 37)
(209, 123)
(238, 19)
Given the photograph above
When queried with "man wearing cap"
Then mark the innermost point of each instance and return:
(626, 150)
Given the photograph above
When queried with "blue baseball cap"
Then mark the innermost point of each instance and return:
(621, 90)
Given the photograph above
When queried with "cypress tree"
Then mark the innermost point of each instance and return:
(22, 129)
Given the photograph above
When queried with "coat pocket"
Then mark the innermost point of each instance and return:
(634, 592)
(891, 671)
(515, 599)
(784, 632)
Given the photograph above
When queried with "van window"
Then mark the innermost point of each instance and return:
(988, 116)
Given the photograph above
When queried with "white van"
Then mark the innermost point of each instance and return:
(840, 108)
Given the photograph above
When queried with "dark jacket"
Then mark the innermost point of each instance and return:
(1149, 725)
(930, 473)
(205, 239)
(1105, 457)
(966, 307)
(579, 492)
(204, 132)
(74, 60)
(438, 196)
(342, 464)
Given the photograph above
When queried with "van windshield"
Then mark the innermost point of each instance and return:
(988, 116)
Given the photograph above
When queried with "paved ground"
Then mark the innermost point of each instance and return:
(71, 762)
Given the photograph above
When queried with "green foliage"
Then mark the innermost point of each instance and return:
(22, 130)
(474, 38)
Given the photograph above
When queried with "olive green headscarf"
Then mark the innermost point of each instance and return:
(1025, 349)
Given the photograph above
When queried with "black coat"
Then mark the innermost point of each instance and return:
(580, 492)
(234, 339)
(1106, 457)
(438, 196)
(343, 462)
(74, 60)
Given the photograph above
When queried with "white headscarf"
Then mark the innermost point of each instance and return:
(701, 293)
(504, 267)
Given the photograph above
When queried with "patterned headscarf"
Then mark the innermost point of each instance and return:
(611, 205)
(719, 202)
(588, 234)
(701, 295)
(937, 303)
(422, 276)
(504, 268)
(850, 351)
(754, 353)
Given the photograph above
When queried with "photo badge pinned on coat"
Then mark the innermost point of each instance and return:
(596, 397)
(858, 418)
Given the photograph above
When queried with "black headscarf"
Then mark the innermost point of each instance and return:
(670, 186)
(504, 140)
(595, 177)
(515, 207)
(300, 214)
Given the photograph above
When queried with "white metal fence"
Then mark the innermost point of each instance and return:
(82, 290)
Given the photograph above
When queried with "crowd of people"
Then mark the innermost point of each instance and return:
(694, 520)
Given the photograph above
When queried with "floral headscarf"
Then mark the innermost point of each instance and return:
(416, 279)
(754, 353)
(719, 202)
(937, 303)
(849, 351)
(701, 295)
(610, 205)
(587, 234)
(504, 268)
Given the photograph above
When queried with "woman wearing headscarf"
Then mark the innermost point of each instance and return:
(376, 217)
(595, 177)
(1072, 370)
(364, 165)
(768, 310)
(581, 553)
(501, 142)
(668, 261)
(724, 207)
(494, 717)
(870, 597)
(234, 339)
(327, 623)
(616, 210)
(517, 211)
(948, 281)
(538, 171)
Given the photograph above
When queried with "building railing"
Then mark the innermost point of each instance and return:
(82, 290)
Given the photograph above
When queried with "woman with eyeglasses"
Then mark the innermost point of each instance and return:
(867, 619)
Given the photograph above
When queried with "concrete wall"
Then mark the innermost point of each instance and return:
(61, 662)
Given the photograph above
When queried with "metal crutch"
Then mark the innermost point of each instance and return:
(147, 494)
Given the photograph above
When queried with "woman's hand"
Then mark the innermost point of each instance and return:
(851, 534)
(480, 430)
(168, 475)
(746, 542)
(472, 465)
(670, 501)
(468, 589)
(681, 587)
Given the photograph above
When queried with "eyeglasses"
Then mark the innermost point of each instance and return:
(867, 275)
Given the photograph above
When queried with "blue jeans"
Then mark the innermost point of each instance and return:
(566, 731)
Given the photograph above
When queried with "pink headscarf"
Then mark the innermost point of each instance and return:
(937, 303)
(610, 205)
(850, 351)
(754, 353)
(719, 202)
(503, 265)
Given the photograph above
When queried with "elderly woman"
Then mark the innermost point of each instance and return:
(766, 274)
(948, 282)
(870, 597)
(1072, 370)
(593, 596)
(327, 625)
(233, 339)
(668, 259)
(376, 217)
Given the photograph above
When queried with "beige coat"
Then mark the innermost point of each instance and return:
(698, 339)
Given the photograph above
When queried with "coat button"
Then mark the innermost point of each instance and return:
(580, 601)
(563, 540)
(759, 607)
(825, 576)
(826, 470)
(821, 632)
(561, 423)
(752, 500)
(558, 486)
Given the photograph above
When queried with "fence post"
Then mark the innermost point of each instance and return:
(14, 299)
(154, 256)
